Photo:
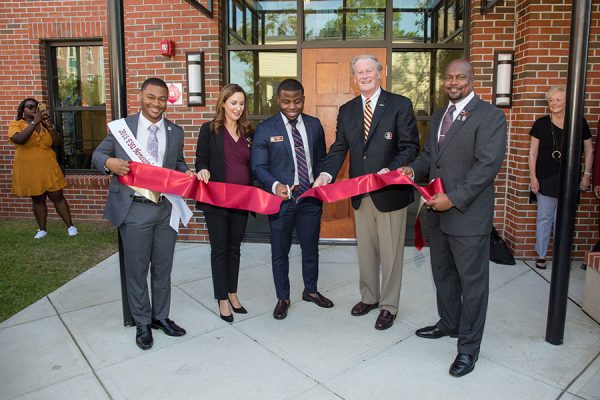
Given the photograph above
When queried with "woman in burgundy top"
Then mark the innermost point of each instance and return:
(223, 155)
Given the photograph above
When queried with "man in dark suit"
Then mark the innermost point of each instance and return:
(379, 130)
(465, 148)
(287, 152)
(148, 238)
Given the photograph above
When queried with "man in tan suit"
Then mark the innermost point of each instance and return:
(379, 130)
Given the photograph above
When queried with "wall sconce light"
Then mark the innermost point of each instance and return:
(503, 74)
(195, 78)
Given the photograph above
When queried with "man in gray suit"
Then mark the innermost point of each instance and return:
(465, 148)
(148, 238)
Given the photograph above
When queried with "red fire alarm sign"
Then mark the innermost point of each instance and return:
(167, 48)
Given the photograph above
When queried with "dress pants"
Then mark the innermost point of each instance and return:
(460, 266)
(148, 243)
(546, 216)
(305, 216)
(225, 230)
(380, 241)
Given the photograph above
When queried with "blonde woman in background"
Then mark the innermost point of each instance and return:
(545, 153)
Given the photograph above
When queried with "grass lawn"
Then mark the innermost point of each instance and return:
(31, 269)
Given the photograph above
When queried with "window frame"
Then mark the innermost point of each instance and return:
(388, 41)
(53, 92)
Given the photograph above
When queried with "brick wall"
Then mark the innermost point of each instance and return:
(537, 31)
(149, 21)
(24, 28)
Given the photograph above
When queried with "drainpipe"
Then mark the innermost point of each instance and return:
(569, 171)
(118, 108)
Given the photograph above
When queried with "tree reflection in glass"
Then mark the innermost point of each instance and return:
(262, 22)
(411, 21)
(259, 73)
(344, 19)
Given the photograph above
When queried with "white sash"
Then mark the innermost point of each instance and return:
(129, 143)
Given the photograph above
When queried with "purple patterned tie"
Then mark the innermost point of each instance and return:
(446, 122)
(303, 180)
(153, 142)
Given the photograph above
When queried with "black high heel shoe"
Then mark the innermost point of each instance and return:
(226, 318)
(240, 310)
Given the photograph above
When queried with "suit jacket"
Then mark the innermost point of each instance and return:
(467, 161)
(120, 196)
(210, 155)
(393, 141)
(272, 161)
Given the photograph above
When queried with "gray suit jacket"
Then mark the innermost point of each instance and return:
(120, 196)
(467, 161)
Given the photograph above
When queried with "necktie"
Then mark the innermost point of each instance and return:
(368, 117)
(446, 122)
(153, 142)
(303, 180)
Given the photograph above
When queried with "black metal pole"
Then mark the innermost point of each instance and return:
(569, 171)
(118, 98)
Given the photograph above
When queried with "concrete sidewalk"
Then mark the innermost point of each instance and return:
(72, 344)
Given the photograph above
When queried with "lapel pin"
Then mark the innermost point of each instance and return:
(388, 136)
(464, 114)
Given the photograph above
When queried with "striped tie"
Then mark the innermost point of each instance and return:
(368, 117)
(153, 142)
(303, 180)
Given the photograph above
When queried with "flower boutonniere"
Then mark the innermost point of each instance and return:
(463, 115)
(249, 141)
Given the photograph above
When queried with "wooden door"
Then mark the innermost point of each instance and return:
(328, 83)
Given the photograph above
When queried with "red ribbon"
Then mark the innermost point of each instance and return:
(251, 198)
(371, 182)
(219, 194)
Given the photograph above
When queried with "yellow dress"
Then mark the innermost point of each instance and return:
(35, 169)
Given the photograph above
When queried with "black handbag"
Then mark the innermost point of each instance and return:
(499, 252)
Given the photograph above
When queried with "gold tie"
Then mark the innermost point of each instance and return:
(368, 117)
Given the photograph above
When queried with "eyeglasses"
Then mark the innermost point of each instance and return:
(30, 106)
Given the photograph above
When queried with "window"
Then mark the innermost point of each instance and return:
(259, 73)
(266, 40)
(344, 19)
(411, 21)
(78, 100)
(262, 22)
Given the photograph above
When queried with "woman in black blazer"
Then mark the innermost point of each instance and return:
(223, 155)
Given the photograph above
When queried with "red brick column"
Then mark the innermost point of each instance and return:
(540, 39)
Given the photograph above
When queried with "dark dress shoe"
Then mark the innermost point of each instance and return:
(281, 308)
(226, 318)
(384, 320)
(240, 310)
(463, 364)
(361, 308)
(169, 327)
(317, 298)
(143, 337)
(433, 332)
